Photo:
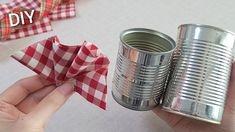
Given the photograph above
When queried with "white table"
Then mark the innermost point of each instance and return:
(101, 21)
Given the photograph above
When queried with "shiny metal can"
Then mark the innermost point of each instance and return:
(201, 71)
(142, 68)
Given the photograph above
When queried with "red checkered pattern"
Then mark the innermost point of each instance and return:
(47, 6)
(44, 25)
(37, 28)
(26, 19)
(65, 10)
(84, 65)
(26, 4)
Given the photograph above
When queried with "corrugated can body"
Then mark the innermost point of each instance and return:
(202, 64)
(142, 67)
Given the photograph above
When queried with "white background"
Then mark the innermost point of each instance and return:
(101, 21)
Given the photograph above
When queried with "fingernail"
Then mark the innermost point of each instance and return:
(66, 89)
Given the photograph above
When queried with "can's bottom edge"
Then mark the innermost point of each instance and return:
(131, 107)
(190, 116)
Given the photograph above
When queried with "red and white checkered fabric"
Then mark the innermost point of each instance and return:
(63, 11)
(84, 65)
(26, 4)
(44, 25)
(34, 29)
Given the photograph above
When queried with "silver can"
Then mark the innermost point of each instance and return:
(142, 67)
(201, 71)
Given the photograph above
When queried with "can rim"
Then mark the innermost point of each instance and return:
(207, 26)
(150, 31)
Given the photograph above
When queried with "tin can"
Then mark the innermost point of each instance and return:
(201, 71)
(142, 67)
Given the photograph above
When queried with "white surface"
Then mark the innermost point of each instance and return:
(101, 21)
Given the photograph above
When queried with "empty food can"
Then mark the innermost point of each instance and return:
(142, 67)
(202, 64)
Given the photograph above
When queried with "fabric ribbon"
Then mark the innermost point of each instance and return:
(46, 7)
(84, 65)
(5, 28)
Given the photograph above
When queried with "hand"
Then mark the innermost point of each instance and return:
(184, 124)
(27, 105)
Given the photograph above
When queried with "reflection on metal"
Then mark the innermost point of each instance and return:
(142, 68)
(199, 71)
(202, 63)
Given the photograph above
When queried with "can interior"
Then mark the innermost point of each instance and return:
(149, 42)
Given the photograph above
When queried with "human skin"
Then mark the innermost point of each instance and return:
(27, 105)
(183, 124)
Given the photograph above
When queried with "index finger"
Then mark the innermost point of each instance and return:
(22, 88)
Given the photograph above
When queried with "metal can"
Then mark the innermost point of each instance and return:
(201, 71)
(142, 67)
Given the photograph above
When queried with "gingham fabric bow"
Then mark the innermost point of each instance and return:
(45, 11)
(84, 65)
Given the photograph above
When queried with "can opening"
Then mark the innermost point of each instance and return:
(147, 40)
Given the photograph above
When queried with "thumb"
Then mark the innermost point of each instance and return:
(50, 104)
